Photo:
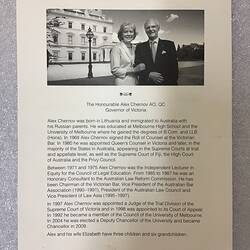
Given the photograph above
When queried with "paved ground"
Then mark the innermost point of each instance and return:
(104, 80)
(187, 76)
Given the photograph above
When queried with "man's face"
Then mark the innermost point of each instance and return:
(152, 29)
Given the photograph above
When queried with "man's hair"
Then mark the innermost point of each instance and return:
(122, 28)
(152, 19)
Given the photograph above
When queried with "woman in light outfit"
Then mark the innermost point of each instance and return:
(123, 56)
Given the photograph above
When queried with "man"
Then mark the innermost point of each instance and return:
(159, 57)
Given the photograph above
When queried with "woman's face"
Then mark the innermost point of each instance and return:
(128, 34)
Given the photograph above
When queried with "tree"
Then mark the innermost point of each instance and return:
(52, 32)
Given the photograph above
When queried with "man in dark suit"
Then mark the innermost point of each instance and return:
(159, 57)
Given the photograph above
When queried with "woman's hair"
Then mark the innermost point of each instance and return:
(122, 28)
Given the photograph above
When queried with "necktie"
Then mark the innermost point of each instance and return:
(154, 49)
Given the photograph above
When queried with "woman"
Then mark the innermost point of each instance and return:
(123, 56)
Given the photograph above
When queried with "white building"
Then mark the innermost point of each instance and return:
(69, 44)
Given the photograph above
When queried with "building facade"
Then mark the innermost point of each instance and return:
(67, 41)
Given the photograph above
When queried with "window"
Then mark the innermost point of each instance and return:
(104, 29)
(70, 39)
(70, 56)
(70, 25)
(83, 56)
(83, 26)
(83, 39)
(94, 28)
(94, 56)
(55, 38)
(94, 41)
(103, 54)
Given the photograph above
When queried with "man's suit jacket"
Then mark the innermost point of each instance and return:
(165, 62)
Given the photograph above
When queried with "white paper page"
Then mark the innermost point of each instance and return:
(114, 166)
